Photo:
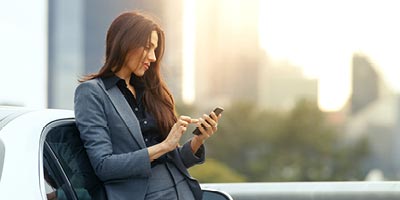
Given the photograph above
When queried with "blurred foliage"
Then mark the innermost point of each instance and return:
(264, 145)
(213, 171)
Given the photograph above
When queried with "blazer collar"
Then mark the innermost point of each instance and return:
(112, 80)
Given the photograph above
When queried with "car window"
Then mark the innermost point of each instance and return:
(64, 142)
(55, 179)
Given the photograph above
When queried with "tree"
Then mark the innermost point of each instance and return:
(284, 146)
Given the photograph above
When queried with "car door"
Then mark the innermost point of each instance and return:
(66, 166)
(67, 169)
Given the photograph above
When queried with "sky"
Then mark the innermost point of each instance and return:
(320, 36)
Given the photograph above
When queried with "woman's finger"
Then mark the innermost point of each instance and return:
(214, 116)
(209, 120)
(203, 131)
(185, 118)
(214, 128)
(182, 122)
(205, 124)
(208, 128)
(182, 129)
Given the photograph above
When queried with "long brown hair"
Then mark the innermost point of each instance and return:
(130, 31)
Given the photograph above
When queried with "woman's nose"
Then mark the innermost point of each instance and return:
(152, 56)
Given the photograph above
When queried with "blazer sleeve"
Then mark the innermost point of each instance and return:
(92, 123)
(189, 158)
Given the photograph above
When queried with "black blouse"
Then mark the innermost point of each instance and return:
(148, 124)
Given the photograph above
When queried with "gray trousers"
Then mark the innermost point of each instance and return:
(168, 183)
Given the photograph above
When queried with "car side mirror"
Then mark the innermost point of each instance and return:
(209, 194)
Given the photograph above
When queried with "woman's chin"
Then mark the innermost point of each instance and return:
(139, 74)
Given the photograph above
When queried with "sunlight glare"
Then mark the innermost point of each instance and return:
(188, 51)
(321, 37)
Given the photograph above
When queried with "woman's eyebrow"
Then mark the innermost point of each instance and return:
(151, 44)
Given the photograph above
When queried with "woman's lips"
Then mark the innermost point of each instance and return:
(146, 65)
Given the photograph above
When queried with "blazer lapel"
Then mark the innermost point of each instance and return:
(127, 115)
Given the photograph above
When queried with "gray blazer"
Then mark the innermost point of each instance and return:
(114, 143)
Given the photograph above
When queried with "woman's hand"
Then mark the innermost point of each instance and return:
(52, 195)
(173, 138)
(179, 128)
(210, 124)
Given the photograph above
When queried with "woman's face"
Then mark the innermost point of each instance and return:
(138, 60)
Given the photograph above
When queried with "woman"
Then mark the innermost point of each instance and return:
(126, 117)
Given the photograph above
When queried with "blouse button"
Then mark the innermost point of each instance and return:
(145, 122)
(146, 140)
(136, 109)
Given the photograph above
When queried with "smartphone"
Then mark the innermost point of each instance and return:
(217, 111)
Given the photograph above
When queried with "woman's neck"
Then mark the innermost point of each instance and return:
(124, 74)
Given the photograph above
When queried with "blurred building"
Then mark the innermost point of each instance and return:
(172, 17)
(282, 85)
(228, 53)
(77, 31)
(365, 83)
(375, 115)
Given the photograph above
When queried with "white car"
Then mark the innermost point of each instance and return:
(42, 157)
